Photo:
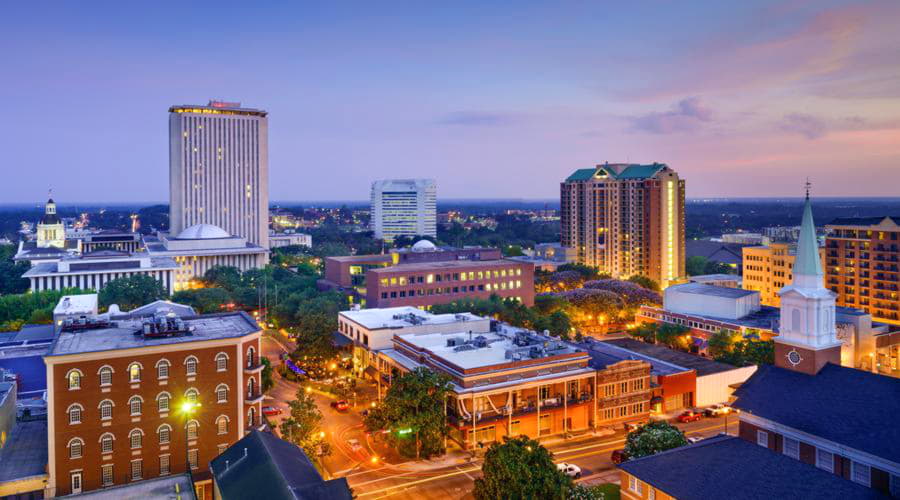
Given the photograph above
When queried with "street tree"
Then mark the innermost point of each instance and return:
(653, 438)
(520, 468)
(132, 291)
(722, 343)
(203, 300)
(303, 426)
(413, 411)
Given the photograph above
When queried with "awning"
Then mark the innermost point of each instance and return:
(370, 371)
(340, 340)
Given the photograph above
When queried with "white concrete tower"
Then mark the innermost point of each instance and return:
(807, 336)
(404, 207)
(219, 169)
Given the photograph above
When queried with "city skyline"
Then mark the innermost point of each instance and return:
(770, 93)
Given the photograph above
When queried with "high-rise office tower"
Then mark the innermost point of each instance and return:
(626, 219)
(219, 169)
(404, 207)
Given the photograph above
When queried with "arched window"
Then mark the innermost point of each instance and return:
(135, 404)
(192, 395)
(162, 402)
(221, 362)
(106, 373)
(106, 443)
(134, 372)
(251, 354)
(251, 387)
(190, 365)
(76, 448)
(73, 378)
(165, 433)
(222, 424)
(162, 369)
(251, 417)
(193, 428)
(106, 409)
(74, 411)
(136, 438)
(222, 393)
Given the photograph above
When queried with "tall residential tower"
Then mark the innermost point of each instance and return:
(219, 169)
(404, 207)
(626, 219)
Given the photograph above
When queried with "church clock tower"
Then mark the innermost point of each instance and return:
(807, 336)
(50, 230)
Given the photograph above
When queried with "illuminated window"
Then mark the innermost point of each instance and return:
(191, 395)
(74, 379)
(134, 372)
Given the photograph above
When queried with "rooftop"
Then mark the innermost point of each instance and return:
(703, 278)
(864, 221)
(217, 108)
(403, 317)
(730, 467)
(77, 304)
(703, 366)
(836, 404)
(618, 171)
(447, 265)
(82, 264)
(711, 290)
(161, 488)
(25, 454)
(205, 327)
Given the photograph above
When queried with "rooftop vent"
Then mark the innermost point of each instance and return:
(464, 347)
(454, 341)
(83, 323)
(164, 326)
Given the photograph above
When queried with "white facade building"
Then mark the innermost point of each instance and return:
(289, 239)
(404, 207)
(709, 300)
(92, 271)
(219, 169)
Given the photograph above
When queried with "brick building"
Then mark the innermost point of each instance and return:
(117, 397)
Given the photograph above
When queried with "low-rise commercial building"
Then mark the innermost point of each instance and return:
(549, 256)
(92, 271)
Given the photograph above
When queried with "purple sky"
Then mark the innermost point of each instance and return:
(494, 101)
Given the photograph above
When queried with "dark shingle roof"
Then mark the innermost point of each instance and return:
(25, 454)
(703, 366)
(850, 407)
(726, 253)
(730, 468)
(262, 466)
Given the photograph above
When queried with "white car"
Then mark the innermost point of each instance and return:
(694, 439)
(718, 410)
(354, 445)
(570, 470)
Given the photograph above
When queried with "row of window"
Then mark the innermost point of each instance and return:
(136, 404)
(626, 387)
(624, 411)
(107, 472)
(637, 486)
(859, 472)
(438, 278)
(107, 441)
(512, 285)
(105, 373)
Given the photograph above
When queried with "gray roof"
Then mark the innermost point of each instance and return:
(206, 327)
(95, 264)
(726, 253)
(160, 488)
(160, 306)
(703, 366)
(25, 454)
(712, 290)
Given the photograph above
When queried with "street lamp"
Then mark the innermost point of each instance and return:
(188, 408)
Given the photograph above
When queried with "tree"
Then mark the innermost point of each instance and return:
(11, 280)
(413, 412)
(645, 282)
(303, 426)
(722, 342)
(653, 438)
(605, 491)
(225, 277)
(749, 352)
(674, 336)
(513, 251)
(695, 265)
(131, 292)
(267, 381)
(204, 300)
(520, 468)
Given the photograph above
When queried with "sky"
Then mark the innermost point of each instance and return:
(491, 99)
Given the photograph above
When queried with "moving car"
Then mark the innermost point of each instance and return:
(340, 405)
(270, 411)
(718, 410)
(570, 470)
(618, 456)
(689, 416)
(354, 445)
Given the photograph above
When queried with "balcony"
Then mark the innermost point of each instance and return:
(251, 398)
(253, 367)
(485, 416)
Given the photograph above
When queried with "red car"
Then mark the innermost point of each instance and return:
(271, 411)
(689, 416)
(340, 405)
(618, 456)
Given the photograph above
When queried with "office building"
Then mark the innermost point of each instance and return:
(404, 207)
(626, 220)
(139, 398)
(863, 265)
(92, 271)
(768, 269)
(219, 169)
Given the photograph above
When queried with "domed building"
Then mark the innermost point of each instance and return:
(201, 247)
(51, 232)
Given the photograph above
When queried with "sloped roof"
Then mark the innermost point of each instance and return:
(807, 260)
(581, 174)
(732, 468)
(618, 171)
(851, 407)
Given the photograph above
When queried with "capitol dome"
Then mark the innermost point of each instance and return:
(203, 232)
(424, 246)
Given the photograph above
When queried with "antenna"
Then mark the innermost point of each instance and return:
(807, 185)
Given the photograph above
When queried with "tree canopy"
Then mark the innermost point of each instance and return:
(520, 468)
(132, 291)
(303, 426)
(653, 438)
(11, 280)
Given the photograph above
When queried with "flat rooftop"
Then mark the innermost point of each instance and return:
(81, 265)
(161, 488)
(25, 454)
(205, 327)
(703, 366)
(448, 265)
(702, 278)
(361, 258)
(403, 317)
(711, 290)
(72, 304)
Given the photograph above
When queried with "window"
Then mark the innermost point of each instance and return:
(791, 447)
(135, 404)
(190, 366)
(251, 387)
(74, 379)
(762, 438)
(74, 412)
(137, 469)
(222, 424)
(825, 460)
(651, 493)
(222, 393)
(192, 395)
(164, 465)
(106, 443)
(221, 362)
(134, 372)
(76, 448)
(193, 456)
(162, 369)
(635, 485)
(106, 408)
(105, 373)
(192, 428)
(106, 474)
(165, 433)
(136, 438)
(861, 473)
(221, 448)
(76, 482)
(162, 402)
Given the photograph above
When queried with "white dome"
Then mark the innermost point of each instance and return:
(424, 246)
(203, 232)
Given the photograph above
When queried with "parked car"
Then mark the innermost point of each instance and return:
(689, 416)
(618, 456)
(718, 410)
(570, 470)
(340, 405)
(271, 411)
